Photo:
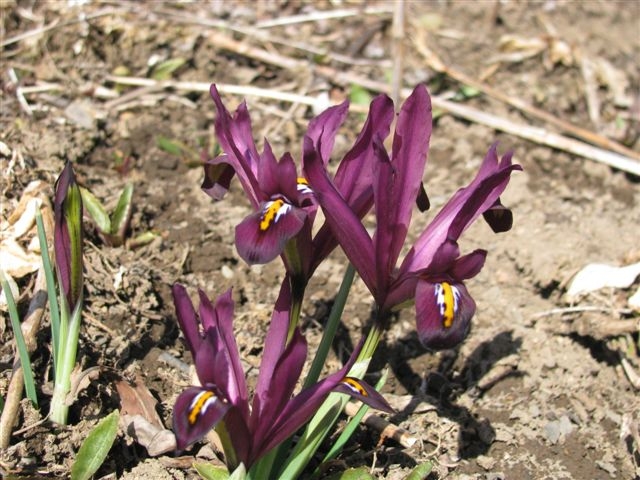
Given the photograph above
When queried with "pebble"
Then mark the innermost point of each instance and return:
(486, 462)
(557, 428)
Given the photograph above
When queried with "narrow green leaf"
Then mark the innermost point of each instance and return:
(95, 447)
(331, 328)
(54, 309)
(163, 70)
(211, 472)
(420, 472)
(96, 210)
(360, 473)
(170, 146)
(122, 213)
(23, 353)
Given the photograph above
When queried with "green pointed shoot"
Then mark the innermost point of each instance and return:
(68, 250)
(122, 213)
(96, 210)
(95, 447)
(112, 229)
(23, 353)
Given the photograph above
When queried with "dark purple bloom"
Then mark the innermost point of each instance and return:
(284, 204)
(275, 414)
(67, 208)
(433, 271)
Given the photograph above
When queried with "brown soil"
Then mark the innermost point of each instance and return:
(532, 393)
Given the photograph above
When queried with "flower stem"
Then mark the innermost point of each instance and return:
(69, 334)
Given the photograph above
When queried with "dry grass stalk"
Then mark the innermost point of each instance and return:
(438, 65)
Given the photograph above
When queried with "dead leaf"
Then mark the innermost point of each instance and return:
(80, 380)
(156, 439)
(138, 400)
(596, 276)
(15, 260)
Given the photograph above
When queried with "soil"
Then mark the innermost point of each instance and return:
(537, 390)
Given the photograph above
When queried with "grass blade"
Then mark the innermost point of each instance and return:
(23, 353)
(54, 310)
(95, 447)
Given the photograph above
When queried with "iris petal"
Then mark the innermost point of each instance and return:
(443, 313)
(197, 410)
(262, 236)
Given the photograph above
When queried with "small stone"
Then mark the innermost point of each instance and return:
(552, 431)
(486, 462)
(227, 272)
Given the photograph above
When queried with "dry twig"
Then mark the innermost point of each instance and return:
(591, 137)
(386, 428)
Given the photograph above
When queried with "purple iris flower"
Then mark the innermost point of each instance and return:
(284, 205)
(222, 399)
(433, 272)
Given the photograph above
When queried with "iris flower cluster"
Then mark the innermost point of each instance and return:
(285, 202)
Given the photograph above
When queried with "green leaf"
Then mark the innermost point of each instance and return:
(163, 70)
(353, 424)
(122, 213)
(359, 95)
(211, 472)
(360, 473)
(96, 210)
(54, 308)
(420, 472)
(95, 447)
(170, 146)
(23, 353)
(143, 239)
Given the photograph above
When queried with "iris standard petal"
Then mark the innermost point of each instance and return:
(354, 176)
(197, 410)
(187, 318)
(461, 210)
(236, 139)
(323, 128)
(443, 313)
(409, 157)
(262, 236)
(217, 321)
(285, 376)
(344, 223)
